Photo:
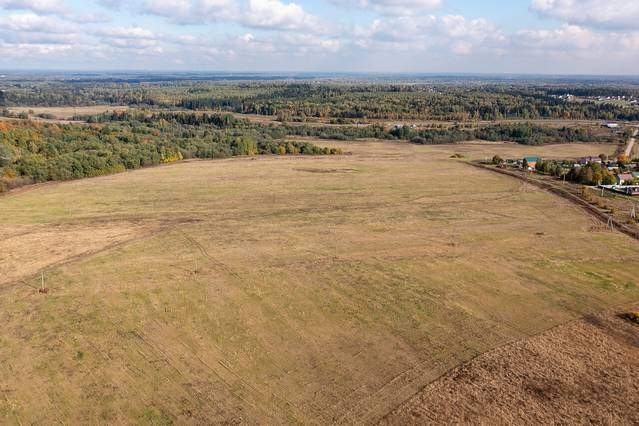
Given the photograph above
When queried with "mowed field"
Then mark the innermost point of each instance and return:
(286, 289)
(67, 113)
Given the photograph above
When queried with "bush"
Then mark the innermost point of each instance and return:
(632, 317)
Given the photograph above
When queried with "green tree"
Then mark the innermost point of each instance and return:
(244, 146)
(6, 156)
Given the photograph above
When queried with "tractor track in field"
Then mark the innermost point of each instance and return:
(224, 267)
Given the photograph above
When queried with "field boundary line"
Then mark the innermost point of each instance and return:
(81, 256)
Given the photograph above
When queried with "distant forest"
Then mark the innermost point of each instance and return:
(301, 101)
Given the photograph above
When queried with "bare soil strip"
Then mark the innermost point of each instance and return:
(586, 371)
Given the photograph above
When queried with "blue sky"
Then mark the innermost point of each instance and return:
(517, 36)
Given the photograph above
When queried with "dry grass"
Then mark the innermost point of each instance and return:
(311, 290)
(583, 372)
(67, 113)
(26, 249)
(594, 125)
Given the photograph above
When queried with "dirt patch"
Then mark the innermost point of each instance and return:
(327, 170)
(583, 372)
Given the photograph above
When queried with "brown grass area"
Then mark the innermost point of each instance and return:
(477, 150)
(594, 125)
(583, 372)
(27, 249)
(289, 289)
(267, 119)
(67, 113)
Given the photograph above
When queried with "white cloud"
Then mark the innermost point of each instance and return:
(90, 18)
(611, 14)
(191, 11)
(575, 42)
(450, 33)
(306, 43)
(137, 38)
(273, 14)
(284, 34)
(29, 50)
(263, 14)
(247, 38)
(462, 48)
(568, 37)
(111, 4)
(126, 32)
(38, 6)
(30, 22)
(392, 7)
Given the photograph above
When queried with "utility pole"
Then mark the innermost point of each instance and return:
(42, 288)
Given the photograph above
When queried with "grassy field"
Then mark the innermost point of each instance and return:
(67, 113)
(285, 289)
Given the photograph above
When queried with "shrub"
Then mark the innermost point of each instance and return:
(632, 317)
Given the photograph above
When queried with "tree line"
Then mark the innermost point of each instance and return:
(37, 152)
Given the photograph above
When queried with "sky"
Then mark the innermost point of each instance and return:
(390, 36)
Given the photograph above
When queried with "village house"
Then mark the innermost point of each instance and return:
(532, 161)
(623, 178)
(589, 160)
(611, 125)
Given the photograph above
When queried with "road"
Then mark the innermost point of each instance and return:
(631, 143)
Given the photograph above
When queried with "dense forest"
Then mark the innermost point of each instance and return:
(340, 101)
(35, 152)
(301, 102)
